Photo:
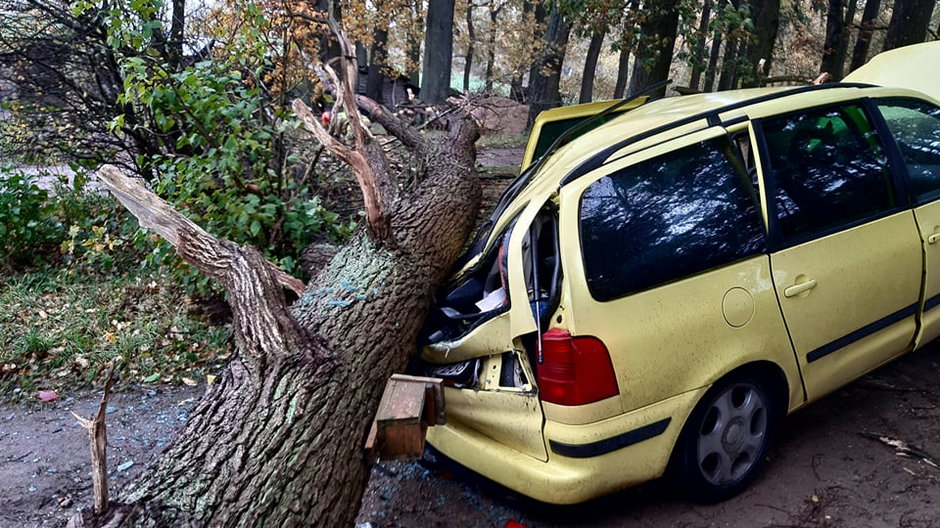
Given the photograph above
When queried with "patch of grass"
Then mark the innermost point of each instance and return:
(61, 331)
(503, 141)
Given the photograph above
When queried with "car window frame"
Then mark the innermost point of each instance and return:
(895, 148)
(775, 240)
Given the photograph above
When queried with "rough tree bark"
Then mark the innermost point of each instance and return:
(278, 438)
(438, 50)
(909, 21)
(838, 67)
(865, 32)
(835, 27)
(765, 15)
(654, 51)
(546, 73)
(590, 66)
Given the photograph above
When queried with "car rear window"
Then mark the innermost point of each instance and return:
(915, 126)
(666, 218)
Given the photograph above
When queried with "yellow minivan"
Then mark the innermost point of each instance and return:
(659, 291)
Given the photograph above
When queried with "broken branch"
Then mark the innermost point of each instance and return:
(156, 214)
(98, 442)
(903, 448)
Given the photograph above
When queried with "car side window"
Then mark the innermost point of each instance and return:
(666, 218)
(915, 126)
(828, 170)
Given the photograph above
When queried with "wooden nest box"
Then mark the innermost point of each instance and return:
(410, 404)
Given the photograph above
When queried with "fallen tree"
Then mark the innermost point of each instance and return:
(278, 438)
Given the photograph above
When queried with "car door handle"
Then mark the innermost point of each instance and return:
(797, 289)
(934, 238)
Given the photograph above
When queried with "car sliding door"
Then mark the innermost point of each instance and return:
(846, 255)
(915, 125)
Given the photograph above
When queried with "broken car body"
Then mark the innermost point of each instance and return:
(660, 291)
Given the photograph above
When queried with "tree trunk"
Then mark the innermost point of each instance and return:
(414, 42)
(834, 30)
(438, 50)
(865, 31)
(590, 66)
(909, 22)
(546, 76)
(471, 35)
(278, 438)
(516, 90)
(765, 15)
(838, 67)
(728, 65)
(698, 47)
(713, 57)
(175, 42)
(375, 82)
(329, 47)
(491, 48)
(623, 70)
(654, 51)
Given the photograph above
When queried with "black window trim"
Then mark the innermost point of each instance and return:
(762, 253)
(897, 159)
(776, 241)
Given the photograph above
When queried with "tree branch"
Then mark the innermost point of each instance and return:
(154, 213)
(406, 134)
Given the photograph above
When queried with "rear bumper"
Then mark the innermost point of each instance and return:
(603, 457)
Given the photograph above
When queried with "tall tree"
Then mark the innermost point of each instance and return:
(516, 90)
(378, 60)
(491, 45)
(909, 21)
(590, 65)
(865, 32)
(835, 28)
(765, 17)
(545, 78)
(698, 46)
(471, 39)
(838, 68)
(656, 44)
(713, 56)
(438, 51)
(415, 31)
(623, 67)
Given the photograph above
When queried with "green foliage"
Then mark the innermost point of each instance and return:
(28, 229)
(228, 154)
(68, 225)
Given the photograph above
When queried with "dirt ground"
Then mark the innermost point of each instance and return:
(822, 471)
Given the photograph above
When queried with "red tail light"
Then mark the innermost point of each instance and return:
(575, 370)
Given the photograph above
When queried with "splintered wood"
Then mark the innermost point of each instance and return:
(410, 404)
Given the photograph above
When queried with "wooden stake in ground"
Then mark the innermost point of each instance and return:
(98, 442)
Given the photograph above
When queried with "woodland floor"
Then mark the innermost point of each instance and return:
(821, 472)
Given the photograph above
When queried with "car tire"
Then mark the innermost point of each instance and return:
(724, 443)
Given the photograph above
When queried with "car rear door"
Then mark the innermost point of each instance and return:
(846, 253)
(915, 129)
